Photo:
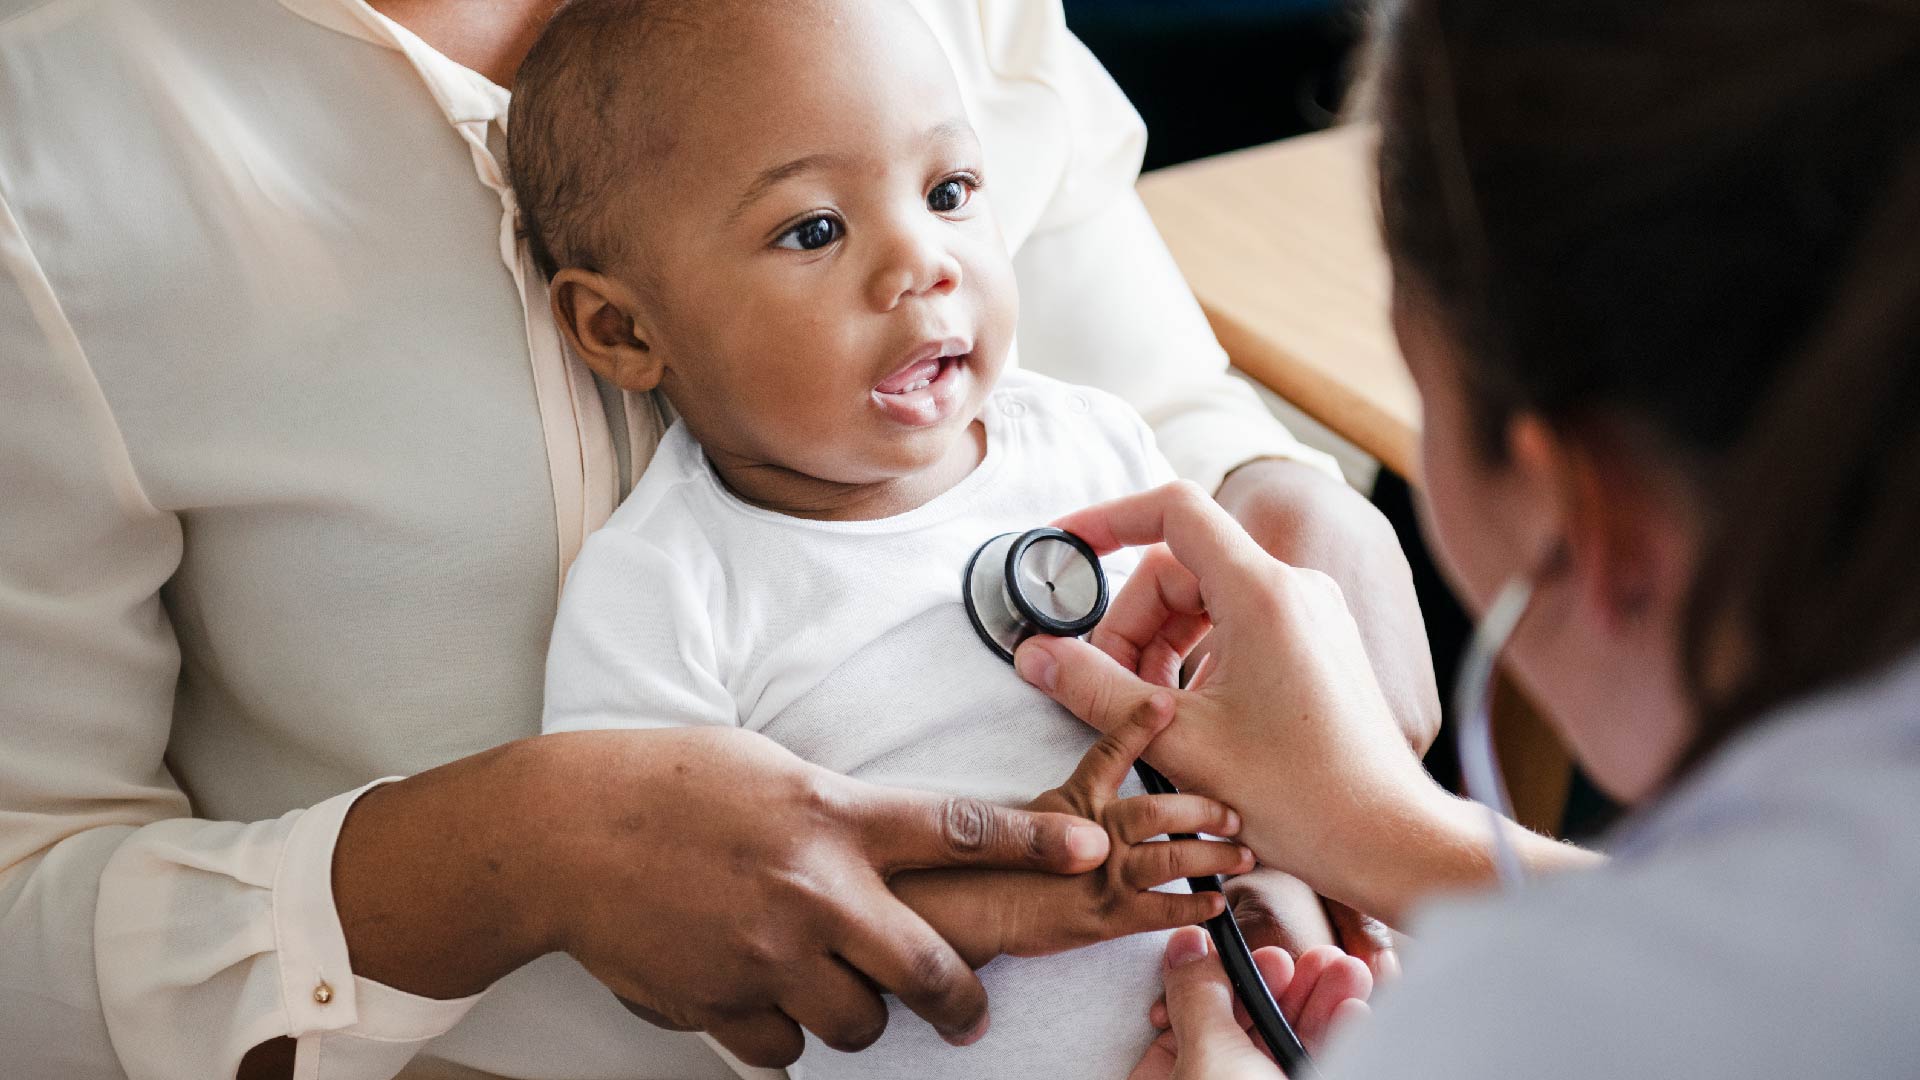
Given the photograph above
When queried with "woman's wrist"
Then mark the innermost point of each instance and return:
(437, 878)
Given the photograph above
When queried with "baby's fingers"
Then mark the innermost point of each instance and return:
(1105, 765)
(1145, 866)
(1144, 817)
(1146, 912)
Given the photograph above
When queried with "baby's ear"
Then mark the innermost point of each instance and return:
(600, 318)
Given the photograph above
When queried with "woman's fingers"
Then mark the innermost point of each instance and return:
(901, 954)
(1143, 817)
(837, 1004)
(1151, 865)
(911, 830)
(767, 1039)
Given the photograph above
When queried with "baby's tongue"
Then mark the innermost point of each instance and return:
(898, 382)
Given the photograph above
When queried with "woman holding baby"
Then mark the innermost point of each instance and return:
(1656, 279)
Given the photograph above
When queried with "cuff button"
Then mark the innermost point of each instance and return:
(322, 993)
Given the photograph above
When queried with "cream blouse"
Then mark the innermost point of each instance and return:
(292, 462)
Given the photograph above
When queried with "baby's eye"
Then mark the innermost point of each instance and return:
(949, 195)
(811, 234)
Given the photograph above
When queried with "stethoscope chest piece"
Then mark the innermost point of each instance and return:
(1042, 581)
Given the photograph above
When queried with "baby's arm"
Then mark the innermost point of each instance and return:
(986, 914)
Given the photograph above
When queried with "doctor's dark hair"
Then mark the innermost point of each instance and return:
(1698, 220)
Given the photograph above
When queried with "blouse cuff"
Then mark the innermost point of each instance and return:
(346, 1026)
(1205, 447)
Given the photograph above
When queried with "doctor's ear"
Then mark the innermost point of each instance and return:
(601, 320)
(1618, 519)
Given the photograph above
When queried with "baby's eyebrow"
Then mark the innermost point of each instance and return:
(775, 175)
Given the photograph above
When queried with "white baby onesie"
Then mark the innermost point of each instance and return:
(847, 643)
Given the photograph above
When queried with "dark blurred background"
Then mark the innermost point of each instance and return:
(1210, 76)
(1216, 75)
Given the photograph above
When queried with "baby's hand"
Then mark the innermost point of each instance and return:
(986, 913)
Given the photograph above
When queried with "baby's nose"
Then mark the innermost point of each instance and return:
(917, 266)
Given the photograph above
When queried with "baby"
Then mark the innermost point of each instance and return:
(776, 214)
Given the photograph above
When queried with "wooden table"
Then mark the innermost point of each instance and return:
(1281, 244)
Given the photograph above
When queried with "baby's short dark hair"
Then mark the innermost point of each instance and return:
(586, 118)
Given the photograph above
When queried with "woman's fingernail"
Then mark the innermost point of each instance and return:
(1087, 842)
(1038, 667)
(1189, 943)
(979, 1030)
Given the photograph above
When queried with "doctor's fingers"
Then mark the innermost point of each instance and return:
(913, 830)
(894, 948)
(1157, 616)
(1104, 695)
(1197, 530)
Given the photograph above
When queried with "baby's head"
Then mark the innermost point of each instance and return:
(770, 210)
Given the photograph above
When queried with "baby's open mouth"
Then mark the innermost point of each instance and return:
(926, 388)
(927, 366)
(916, 376)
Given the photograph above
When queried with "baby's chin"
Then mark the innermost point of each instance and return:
(898, 455)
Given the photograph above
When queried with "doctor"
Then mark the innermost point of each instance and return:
(1656, 278)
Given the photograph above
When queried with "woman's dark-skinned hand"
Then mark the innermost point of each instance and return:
(707, 876)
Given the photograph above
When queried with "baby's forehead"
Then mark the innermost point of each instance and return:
(741, 80)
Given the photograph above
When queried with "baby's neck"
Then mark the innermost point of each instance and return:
(796, 494)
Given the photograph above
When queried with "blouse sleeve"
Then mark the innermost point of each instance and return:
(1102, 303)
(135, 939)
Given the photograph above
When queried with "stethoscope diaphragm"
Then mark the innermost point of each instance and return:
(1042, 581)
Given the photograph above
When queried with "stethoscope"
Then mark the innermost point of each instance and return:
(1049, 581)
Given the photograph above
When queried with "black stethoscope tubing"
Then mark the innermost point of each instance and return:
(1021, 619)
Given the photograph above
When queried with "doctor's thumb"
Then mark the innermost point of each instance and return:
(1087, 681)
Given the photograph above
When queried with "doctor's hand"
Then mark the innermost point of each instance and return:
(1210, 1037)
(1289, 726)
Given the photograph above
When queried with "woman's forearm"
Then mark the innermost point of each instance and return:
(438, 879)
